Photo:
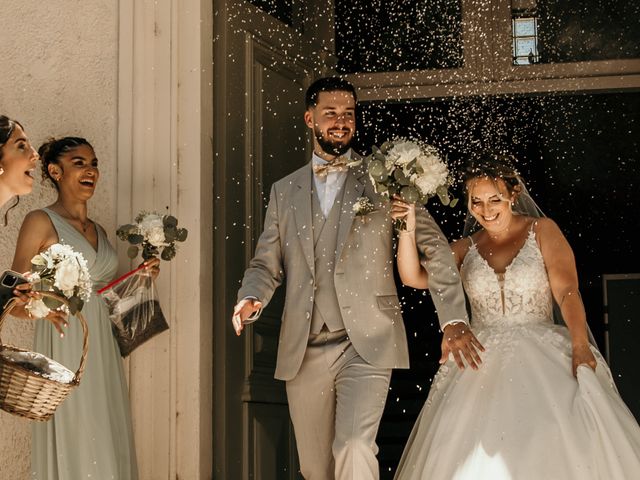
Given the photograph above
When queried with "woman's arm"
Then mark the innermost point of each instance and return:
(412, 273)
(563, 279)
(36, 234)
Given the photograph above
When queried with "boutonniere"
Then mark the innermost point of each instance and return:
(363, 207)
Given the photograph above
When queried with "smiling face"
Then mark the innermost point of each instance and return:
(490, 203)
(76, 172)
(333, 121)
(18, 162)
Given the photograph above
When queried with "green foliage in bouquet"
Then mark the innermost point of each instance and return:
(410, 169)
(153, 233)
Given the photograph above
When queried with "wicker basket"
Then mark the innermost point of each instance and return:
(24, 392)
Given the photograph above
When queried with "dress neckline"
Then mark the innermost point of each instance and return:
(96, 249)
(531, 235)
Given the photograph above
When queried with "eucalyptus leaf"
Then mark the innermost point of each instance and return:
(386, 146)
(380, 178)
(168, 253)
(410, 194)
(125, 230)
(75, 304)
(453, 203)
(52, 303)
(132, 251)
(443, 196)
(401, 177)
(170, 234)
(38, 268)
(376, 168)
(170, 221)
(182, 235)
(380, 158)
(135, 239)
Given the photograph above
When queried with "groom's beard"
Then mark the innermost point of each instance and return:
(331, 147)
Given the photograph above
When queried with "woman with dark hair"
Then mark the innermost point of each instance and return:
(17, 160)
(540, 401)
(90, 435)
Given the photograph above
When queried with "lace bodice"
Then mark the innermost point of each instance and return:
(521, 296)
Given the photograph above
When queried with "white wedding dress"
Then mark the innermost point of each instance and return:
(522, 415)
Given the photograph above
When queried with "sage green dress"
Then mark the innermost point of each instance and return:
(90, 435)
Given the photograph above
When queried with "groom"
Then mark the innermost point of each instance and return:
(342, 329)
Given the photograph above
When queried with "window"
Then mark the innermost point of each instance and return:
(525, 41)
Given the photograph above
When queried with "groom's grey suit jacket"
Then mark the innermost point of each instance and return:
(363, 274)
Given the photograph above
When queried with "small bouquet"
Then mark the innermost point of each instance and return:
(156, 234)
(62, 270)
(412, 169)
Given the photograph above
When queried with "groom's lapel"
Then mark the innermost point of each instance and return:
(301, 204)
(354, 186)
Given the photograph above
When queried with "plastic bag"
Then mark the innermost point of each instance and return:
(134, 310)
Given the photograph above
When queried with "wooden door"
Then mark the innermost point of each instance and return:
(263, 65)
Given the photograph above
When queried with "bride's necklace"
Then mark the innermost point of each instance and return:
(83, 223)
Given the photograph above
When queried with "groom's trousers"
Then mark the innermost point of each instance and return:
(336, 401)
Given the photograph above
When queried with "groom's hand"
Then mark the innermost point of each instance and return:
(243, 310)
(459, 340)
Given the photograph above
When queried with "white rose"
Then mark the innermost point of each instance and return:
(60, 250)
(150, 222)
(404, 152)
(37, 308)
(67, 275)
(156, 236)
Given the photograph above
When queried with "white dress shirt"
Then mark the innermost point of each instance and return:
(327, 187)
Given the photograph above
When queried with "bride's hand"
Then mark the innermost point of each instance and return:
(582, 355)
(459, 340)
(403, 210)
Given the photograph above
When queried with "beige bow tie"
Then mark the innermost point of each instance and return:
(338, 165)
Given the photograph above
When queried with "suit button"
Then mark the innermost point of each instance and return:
(308, 315)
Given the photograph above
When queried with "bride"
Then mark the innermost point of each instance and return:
(539, 400)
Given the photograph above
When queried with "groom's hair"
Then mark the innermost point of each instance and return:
(327, 84)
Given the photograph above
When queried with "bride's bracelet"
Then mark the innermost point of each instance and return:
(406, 232)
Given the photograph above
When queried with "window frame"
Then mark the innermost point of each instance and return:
(488, 67)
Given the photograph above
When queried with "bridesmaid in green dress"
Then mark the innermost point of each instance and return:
(90, 435)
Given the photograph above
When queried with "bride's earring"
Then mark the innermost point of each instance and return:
(1, 170)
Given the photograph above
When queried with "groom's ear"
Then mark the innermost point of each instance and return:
(308, 118)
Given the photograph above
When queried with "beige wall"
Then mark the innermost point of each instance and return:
(58, 76)
(135, 78)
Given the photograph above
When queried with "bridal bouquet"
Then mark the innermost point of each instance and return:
(409, 168)
(62, 270)
(156, 234)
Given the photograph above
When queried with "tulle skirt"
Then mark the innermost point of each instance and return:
(523, 415)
